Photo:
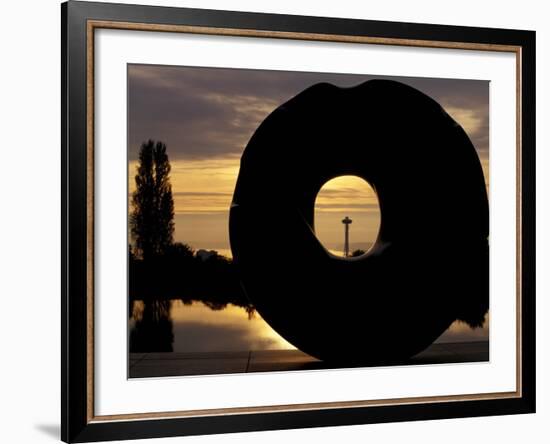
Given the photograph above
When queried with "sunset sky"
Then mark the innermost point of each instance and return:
(207, 115)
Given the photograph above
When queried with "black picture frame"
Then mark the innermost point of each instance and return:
(78, 423)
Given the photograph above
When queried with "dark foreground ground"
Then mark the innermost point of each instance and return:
(143, 365)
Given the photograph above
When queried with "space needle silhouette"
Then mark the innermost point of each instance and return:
(346, 221)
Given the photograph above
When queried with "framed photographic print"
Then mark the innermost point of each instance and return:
(276, 221)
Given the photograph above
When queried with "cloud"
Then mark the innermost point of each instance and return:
(211, 113)
(475, 121)
(200, 194)
(347, 206)
(343, 192)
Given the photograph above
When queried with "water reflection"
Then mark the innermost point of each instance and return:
(151, 327)
(173, 325)
(197, 327)
(460, 331)
(192, 302)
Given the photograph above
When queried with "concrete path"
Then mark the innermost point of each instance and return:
(143, 365)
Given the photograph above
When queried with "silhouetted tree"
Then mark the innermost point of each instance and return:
(152, 217)
(358, 252)
(178, 252)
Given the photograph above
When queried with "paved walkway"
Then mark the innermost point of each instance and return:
(144, 365)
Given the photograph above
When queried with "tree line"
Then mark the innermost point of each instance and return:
(159, 268)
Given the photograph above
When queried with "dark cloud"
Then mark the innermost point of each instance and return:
(212, 112)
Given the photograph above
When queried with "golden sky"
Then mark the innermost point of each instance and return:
(207, 115)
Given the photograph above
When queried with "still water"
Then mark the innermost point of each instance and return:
(174, 326)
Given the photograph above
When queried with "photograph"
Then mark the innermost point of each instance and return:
(286, 220)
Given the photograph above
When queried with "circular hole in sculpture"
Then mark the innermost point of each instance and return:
(347, 216)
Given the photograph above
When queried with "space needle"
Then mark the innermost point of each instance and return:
(346, 221)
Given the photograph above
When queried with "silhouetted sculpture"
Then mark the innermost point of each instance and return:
(429, 265)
